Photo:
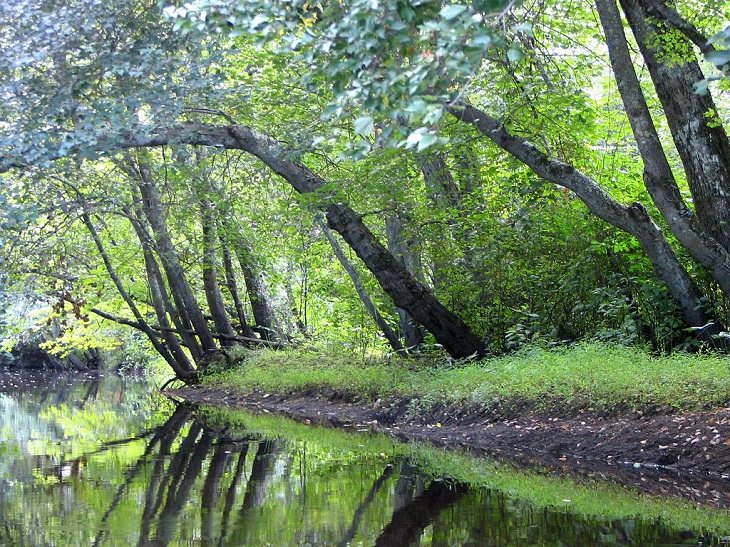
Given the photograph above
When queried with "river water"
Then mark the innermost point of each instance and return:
(104, 461)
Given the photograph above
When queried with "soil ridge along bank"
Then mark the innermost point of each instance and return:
(686, 455)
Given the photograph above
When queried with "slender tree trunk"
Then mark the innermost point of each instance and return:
(701, 141)
(633, 219)
(160, 301)
(184, 330)
(391, 336)
(402, 249)
(262, 306)
(658, 175)
(233, 289)
(445, 194)
(210, 273)
(178, 368)
(295, 314)
(179, 286)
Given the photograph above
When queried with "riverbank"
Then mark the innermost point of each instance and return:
(591, 406)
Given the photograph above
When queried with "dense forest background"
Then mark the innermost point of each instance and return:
(380, 176)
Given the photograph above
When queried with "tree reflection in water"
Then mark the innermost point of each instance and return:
(99, 462)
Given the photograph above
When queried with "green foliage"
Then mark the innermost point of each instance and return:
(596, 376)
(356, 91)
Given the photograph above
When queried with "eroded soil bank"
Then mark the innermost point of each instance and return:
(686, 455)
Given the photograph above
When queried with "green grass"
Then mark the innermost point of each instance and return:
(590, 376)
(603, 500)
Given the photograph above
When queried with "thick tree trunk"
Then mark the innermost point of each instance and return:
(701, 141)
(179, 287)
(391, 336)
(158, 303)
(210, 273)
(633, 219)
(402, 249)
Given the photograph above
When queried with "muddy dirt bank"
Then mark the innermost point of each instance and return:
(686, 455)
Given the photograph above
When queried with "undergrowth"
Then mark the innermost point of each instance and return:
(591, 377)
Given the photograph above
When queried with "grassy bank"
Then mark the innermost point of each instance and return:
(592, 377)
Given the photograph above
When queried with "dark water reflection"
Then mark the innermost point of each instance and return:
(104, 462)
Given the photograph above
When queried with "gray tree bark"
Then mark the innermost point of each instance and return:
(633, 219)
(232, 285)
(703, 146)
(180, 288)
(210, 271)
(402, 249)
(388, 332)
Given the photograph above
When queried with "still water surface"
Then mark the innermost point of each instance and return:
(103, 461)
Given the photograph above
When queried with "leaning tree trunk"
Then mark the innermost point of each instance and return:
(182, 370)
(262, 306)
(177, 281)
(387, 331)
(633, 219)
(159, 299)
(658, 175)
(184, 329)
(699, 137)
(232, 285)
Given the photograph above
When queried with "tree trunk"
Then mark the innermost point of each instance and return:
(391, 336)
(440, 184)
(184, 329)
(178, 368)
(158, 303)
(210, 273)
(700, 139)
(446, 197)
(233, 289)
(634, 219)
(402, 249)
(179, 286)
(258, 291)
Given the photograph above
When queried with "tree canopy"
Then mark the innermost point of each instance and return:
(392, 176)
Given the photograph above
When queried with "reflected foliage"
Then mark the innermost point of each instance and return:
(169, 476)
